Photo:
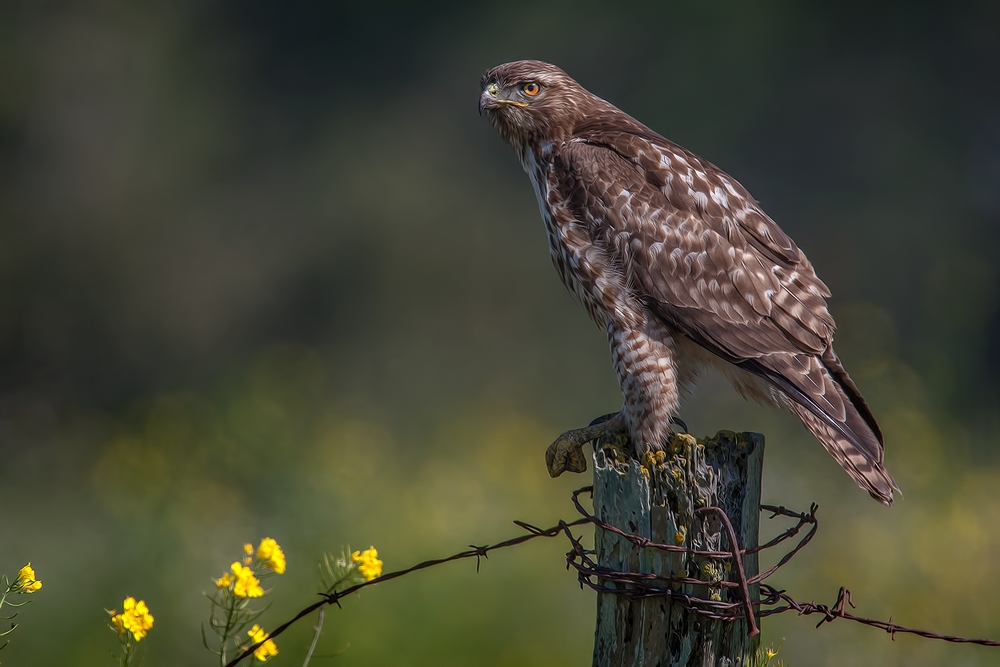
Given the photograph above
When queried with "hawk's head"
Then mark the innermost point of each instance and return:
(530, 102)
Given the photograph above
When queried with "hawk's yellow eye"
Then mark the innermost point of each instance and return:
(531, 89)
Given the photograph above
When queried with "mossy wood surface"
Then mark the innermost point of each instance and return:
(657, 498)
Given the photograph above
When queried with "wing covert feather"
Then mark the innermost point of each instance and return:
(697, 267)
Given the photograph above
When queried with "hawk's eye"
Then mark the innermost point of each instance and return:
(531, 89)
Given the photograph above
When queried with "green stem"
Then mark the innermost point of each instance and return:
(318, 629)
(128, 647)
(230, 623)
(10, 587)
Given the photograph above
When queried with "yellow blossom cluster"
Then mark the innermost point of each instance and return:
(271, 555)
(231, 616)
(135, 618)
(368, 563)
(267, 648)
(246, 584)
(244, 575)
(26, 582)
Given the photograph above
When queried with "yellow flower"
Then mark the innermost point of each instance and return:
(271, 555)
(135, 618)
(247, 585)
(368, 563)
(26, 582)
(223, 581)
(248, 548)
(265, 650)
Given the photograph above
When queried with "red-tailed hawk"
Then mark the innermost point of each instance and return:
(680, 266)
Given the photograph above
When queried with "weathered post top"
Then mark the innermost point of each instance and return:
(667, 498)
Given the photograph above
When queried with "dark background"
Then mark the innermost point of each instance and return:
(263, 271)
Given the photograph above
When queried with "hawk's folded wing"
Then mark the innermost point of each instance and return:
(698, 250)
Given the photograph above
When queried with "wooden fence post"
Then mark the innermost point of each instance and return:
(658, 499)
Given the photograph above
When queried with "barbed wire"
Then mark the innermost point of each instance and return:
(644, 585)
(477, 552)
(639, 585)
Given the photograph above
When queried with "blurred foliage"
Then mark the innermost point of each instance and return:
(264, 271)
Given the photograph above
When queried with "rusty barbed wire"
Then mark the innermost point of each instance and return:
(590, 573)
(637, 585)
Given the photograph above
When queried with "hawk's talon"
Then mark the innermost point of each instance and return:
(677, 421)
(566, 453)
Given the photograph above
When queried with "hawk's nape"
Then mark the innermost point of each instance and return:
(680, 266)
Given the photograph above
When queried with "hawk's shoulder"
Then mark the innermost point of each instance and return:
(691, 183)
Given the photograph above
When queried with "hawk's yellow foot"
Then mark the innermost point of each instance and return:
(566, 453)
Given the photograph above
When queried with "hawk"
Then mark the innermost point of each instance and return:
(681, 268)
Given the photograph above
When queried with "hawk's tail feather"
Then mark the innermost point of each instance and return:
(832, 363)
(820, 392)
(869, 474)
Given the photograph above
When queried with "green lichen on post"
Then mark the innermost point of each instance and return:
(658, 498)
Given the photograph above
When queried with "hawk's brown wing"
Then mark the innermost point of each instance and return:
(698, 250)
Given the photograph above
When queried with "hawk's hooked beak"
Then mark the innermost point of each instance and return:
(490, 99)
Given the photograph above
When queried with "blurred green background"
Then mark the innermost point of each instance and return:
(265, 272)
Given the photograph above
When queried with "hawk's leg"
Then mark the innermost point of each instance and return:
(566, 453)
(645, 360)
